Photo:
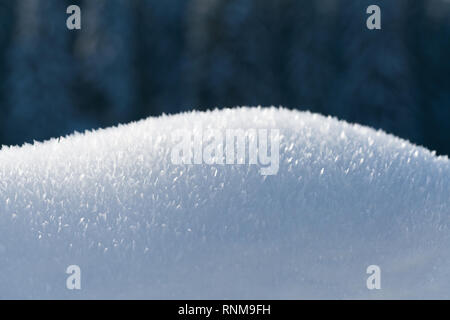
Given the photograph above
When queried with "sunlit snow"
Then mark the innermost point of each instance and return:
(112, 202)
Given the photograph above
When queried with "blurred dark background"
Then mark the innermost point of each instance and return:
(133, 59)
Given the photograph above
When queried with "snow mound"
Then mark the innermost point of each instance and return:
(112, 202)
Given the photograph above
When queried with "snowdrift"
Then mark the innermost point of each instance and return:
(112, 202)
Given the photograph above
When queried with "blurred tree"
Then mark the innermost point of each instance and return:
(39, 101)
(159, 28)
(428, 40)
(6, 30)
(232, 59)
(375, 84)
(314, 58)
(105, 87)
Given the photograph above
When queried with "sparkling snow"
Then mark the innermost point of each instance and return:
(110, 201)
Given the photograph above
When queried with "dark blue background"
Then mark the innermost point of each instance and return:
(133, 59)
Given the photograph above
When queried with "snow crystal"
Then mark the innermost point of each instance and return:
(112, 202)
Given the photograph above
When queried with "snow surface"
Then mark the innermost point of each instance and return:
(345, 197)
